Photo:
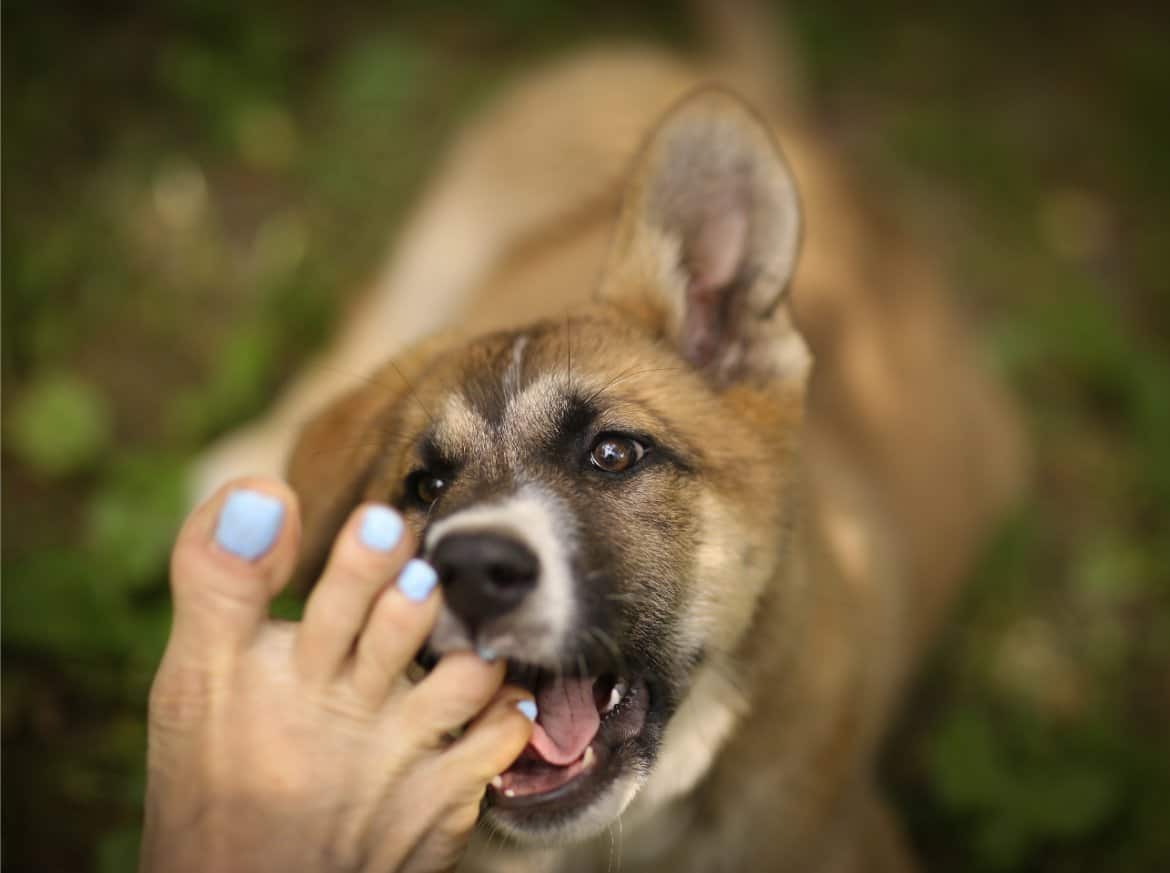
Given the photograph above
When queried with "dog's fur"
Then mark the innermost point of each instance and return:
(797, 532)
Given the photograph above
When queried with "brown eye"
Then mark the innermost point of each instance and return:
(424, 487)
(616, 454)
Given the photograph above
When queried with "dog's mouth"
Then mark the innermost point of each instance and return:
(581, 727)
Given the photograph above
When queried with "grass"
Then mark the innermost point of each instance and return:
(192, 188)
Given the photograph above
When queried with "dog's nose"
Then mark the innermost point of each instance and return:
(484, 574)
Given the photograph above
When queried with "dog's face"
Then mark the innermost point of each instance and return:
(602, 496)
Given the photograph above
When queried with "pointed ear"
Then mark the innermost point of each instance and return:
(708, 238)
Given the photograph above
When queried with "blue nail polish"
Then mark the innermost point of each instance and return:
(381, 529)
(249, 523)
(528, 707)
(416, 580)
(486, 653)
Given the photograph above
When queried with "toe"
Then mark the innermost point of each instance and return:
(369, 553)
(495, 739)
(234, 552)
(401, 619)
(454, 693)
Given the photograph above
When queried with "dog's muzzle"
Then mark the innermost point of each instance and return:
(484, 575)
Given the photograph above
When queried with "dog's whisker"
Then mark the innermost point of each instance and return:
(346, 447)
(621, 842)
(614, 380)
(626, 374)
(607, 643)
(568, 349)
(493, 832)
(612, 842)
(370, 378)
(622, 596)
(413, 393)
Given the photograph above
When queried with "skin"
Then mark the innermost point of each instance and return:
(276, 746)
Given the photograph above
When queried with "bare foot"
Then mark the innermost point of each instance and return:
(281, 746)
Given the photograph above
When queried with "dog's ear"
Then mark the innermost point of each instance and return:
(708, 238)
(331, 466)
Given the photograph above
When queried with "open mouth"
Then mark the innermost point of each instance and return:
(581, 727)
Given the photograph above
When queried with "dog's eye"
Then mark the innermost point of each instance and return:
(424, 486)
(616, 454)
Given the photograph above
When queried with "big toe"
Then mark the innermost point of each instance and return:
(234, 552)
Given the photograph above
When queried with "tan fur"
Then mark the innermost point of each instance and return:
(907, 453)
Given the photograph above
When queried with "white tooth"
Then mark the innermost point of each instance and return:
(509, 793)
(587, 760)
(615, 697)
(498, 783)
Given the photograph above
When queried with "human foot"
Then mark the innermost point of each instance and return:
(281, 746)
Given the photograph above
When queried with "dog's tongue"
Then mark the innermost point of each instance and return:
(568, 720)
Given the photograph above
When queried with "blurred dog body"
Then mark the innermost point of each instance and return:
(807, 525)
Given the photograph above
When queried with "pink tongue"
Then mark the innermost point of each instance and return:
(567, 722)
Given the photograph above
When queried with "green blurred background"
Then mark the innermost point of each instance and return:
(192, 188)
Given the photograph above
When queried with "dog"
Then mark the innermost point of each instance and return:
(593, 396)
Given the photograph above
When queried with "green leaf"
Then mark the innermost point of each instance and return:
(57, 601)
(118, 850)
(1069, 800)
(60, 425)
(132, 520)
(965, 762)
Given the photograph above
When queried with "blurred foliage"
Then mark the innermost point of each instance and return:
(60, 426)
(192, 188)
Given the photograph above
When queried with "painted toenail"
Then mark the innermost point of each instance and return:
(487, 654)
(528, 707)
(248, 523)
(416, 580)
(381, 529)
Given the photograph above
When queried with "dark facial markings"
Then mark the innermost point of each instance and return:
(584, 441)
(424, 487)
(431, 475)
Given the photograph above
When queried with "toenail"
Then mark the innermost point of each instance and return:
(416, 580)
(381, 529)
(528, 707)
(487, 654)
(248, 523)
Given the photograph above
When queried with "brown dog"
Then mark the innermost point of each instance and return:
(713, 562)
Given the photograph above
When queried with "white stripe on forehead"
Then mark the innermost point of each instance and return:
(530, 414)
(512, 374)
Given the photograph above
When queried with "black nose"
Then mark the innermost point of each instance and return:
(484, 574)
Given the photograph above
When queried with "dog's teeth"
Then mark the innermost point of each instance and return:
(510, 793)
(587, 760)
(498, 783)
(615, 695)
(615, 698)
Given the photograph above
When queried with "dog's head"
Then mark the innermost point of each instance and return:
(603, 495)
